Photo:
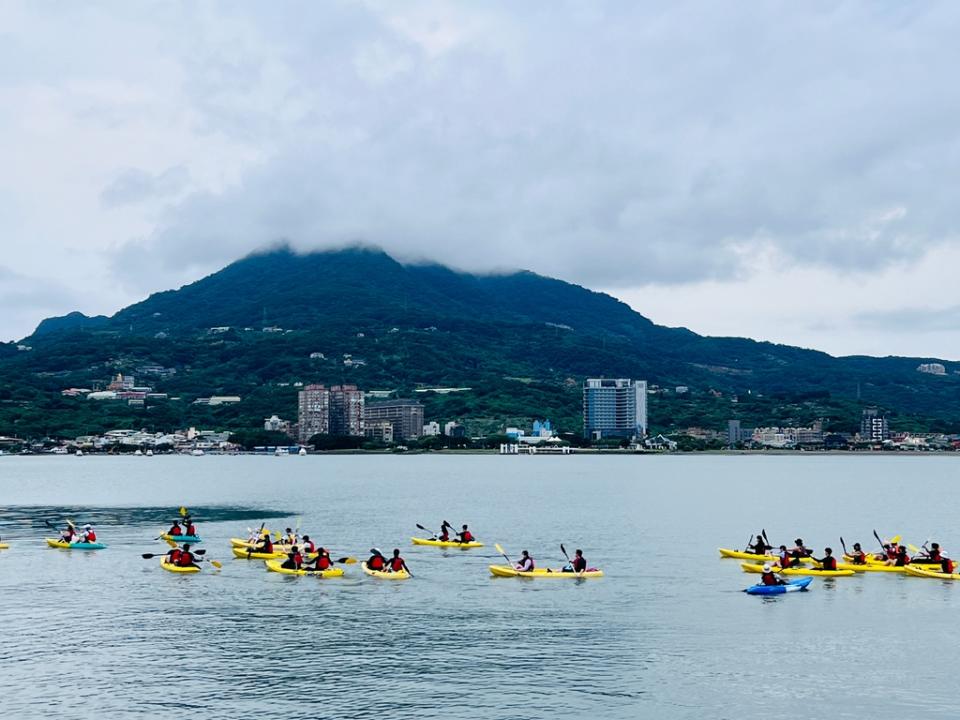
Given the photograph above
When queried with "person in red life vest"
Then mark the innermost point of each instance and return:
(858, 556)
(465, 536)
(760, 547)
(88, 536)
(786, 559)
(186, 558)
(396, 563)
(890, 551)
(901, 558)
(189, 528)
(828, 561)
(769, 577)
(265, 546)
(799, 550)
(444, 535)
(294, 559)
(931, 556)
(947, 566)
(175, 529)
(578, 564)
(376, 561)
(309, 547)
(322, 562)
(526, 563)
(68, 535)
(173, 557)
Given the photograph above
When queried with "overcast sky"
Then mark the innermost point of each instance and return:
(784, 171)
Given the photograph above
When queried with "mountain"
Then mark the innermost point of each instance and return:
(520, 341)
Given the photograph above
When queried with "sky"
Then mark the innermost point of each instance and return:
(779, 170)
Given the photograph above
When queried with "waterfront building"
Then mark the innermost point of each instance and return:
(431, 428)
(614, 408)
(275, 424)
(873, 426)
(454, 429)
(313, 412)
(406, 417)
(346, 410)
(382, 430)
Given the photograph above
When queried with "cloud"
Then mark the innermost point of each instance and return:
(134, 185)
(911, 320)
(24, 298)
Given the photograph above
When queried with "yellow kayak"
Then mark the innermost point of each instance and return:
(246, 544)
(814, 572)
(742, 555)
(445, 543)
(277, 567)
(507, 571)
(4, 546)
(402, 575)
(920, 572)
(170, 567)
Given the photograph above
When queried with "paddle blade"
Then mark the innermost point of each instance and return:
(422, 527)
(348, 561)
(171, 543)
(147, 556)
(499, 548)
(913, 548)
(216, 564)
(896, 539)
(183, 511)
(200, 552)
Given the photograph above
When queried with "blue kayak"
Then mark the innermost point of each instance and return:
(791, 586)
(74, 546)
(182, 538)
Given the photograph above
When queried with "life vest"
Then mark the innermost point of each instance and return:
(768, 578)
(947, 565)
(191, 530)
(375, 563)
(829, 563)
(175, 556)
(396, 564)
(297, 559)
(859, 557)
(935, 555)
(175, 530)
(902, 560)
(891, 554)
(466, 536)
(579, 564)
(90, 536)
(445, 536)
(309, 547)
(185, 559)
(324, 563)
(267, 546)
(785, 560)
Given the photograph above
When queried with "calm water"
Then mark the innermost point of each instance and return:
(666, 634)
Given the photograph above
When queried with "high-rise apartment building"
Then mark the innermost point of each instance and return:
(406, 416)
(346, 410)
(314, 412)
(614, 408)
(873, 426)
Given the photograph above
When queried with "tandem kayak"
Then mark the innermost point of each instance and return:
(922, 572)
(74, 546)
(402, 575)
(192, 539)
(445, 543)
(507, 571)
(170, 567)
(791, 586)
(277, 567)
(815, 572)
(742, 555)
(246, 544)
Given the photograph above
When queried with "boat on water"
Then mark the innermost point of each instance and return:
(196, 453)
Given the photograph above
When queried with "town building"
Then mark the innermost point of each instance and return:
(932, 368)
(382, 430)
(873, 426)
(406, 416)
(275, 424)
(454, 429)
(614, 408)
(346, 410)
(431, 429)
(313, 412)
(737, 434)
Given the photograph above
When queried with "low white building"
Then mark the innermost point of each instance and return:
(431, 428)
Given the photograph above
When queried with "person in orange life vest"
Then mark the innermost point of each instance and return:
(266, 544)
(88, 536)
(186, 558)
(465, 536)
(526, 563)
(294, 559)
(828, 561)
(173, 557)
(901, 558)
(768, 577)
(322, 561)
(189, 528)
(858, 556)
(578, 564)
(309, 547)
(396, 563)
(786, 559)
(376, 561)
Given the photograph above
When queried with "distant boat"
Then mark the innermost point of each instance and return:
(303, 451)
(138, 452)
(149, 453)
(281, 451)
(60, 451)
(196, 453)
(79, 453)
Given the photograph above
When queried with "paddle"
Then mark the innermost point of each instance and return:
(765, 540)
(148, 556)
(843, 545)
(425, 530)
(500, 550)
(564, 551)
(882, 548)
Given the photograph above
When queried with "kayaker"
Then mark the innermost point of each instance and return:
(828, 561)
(186, 558)
(68, 534)
(799, 550)
(760, 547)
(891, 551)
(396, 563)
(444, 535)
(309, 548)
(175, 529)
(933, 555)
(289, 538)
(769, 577)
(526, 563)
(173, 557)
(322, 562)
(786, 559)
(265, 546)
(294, 559)
(465, 536)
(578, 564)
(901, 558)
(88, 536)
(376, 561)
(191, 529)
(858, 556)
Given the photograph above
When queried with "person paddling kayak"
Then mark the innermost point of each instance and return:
(932, 555)
(289, 537)
(769, 577)
(396, 563)
(760, 547)
(308, 545)
(578, 564)
(787, 560)
(265, 546)
(901, 559)
(828, 561)
(444, 535)
(190, 529)
(858, 556)
(175, 529)
(187, 558)
(376, 561)
(799, 550)
(88, 535)
(323, 561)
(294, 559)
(526, 563)
(465, 536)
(68, 534)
